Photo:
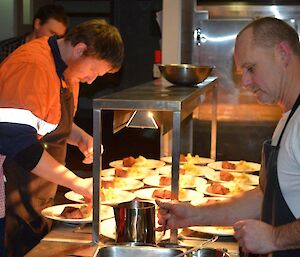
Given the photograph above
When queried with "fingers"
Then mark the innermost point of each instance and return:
(88, 154)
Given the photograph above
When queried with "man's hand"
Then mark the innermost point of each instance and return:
(174, 215)
(255, 236)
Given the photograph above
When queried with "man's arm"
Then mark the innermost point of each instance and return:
(49, 169)
(244, 206)
(84, 141)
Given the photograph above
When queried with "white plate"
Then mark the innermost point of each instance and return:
(108, 229)
(190, 169)
(189, 194)
(134, 172)
(185, 181)
(234, 189)
(195, 160)
(206, 199)
(115, 196)
(247, 167)
(124, 183)
(108, 172)
(147, 164)
(215, 230)
(239, 177)
(54, 212)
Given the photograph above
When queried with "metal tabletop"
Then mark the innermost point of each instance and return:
(156, 95)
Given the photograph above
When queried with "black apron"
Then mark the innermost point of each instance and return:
(28, 194)
(275, 210)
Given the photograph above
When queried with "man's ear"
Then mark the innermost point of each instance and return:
(284, 51)
(37, 23)
(79, 49)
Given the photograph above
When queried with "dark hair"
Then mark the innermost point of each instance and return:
(56, 12)
(269, 31)
(102, 39)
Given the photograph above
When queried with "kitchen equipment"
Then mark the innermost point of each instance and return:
(135, 222)
(185, 74)
(206, 252)
(198, 248)
(128, 251)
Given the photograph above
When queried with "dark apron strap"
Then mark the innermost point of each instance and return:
(294, 108)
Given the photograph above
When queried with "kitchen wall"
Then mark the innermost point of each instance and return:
(7, 25)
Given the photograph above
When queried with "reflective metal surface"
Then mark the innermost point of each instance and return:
(135, 222)
(208, 252)
(185, 74)
(128, 251)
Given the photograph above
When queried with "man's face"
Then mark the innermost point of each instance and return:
(260, 69)
(50, 28)
(87, 69)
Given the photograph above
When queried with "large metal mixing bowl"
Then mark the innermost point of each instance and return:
(185, 74)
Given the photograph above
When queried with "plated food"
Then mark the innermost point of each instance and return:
(132, 172)
(194, 159)
(137, 162)
(185, 181)
(121, 183)
(237, 177)
(207, 200)
(214, 230)
(226, 189)
(108, 229)
(185, 195)
(109, 196)
(75, 213)
(185, 169)
(235, 166)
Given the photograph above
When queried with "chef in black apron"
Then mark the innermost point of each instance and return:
(28, 194)
(275, 210)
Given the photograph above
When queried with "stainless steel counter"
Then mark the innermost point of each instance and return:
(66, 240)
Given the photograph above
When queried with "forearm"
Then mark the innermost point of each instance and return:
(287, 236)
(229, 211)
(49, 169)
(76, 135)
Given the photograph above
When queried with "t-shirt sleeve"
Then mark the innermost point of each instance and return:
(20, 143)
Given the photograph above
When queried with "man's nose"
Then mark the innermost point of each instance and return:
(247, 80)
(91, 78)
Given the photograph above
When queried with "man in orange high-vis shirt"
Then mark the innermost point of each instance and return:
(31, 80)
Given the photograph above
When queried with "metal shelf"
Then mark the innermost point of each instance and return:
(153, 96)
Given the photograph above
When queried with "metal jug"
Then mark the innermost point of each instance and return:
(135, 222)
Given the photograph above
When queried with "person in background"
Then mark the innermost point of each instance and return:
(44, 71)
(49, 20)
(266, 219)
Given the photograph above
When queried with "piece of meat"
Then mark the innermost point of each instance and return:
(70, 212)
(119, 172)
(182, 171)
(165, 181)
(107, 183)
(129, 161)
(161, 193)
(226, 176)
(102, 196)
(216, 188)
(182, 158)
(228, 165)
